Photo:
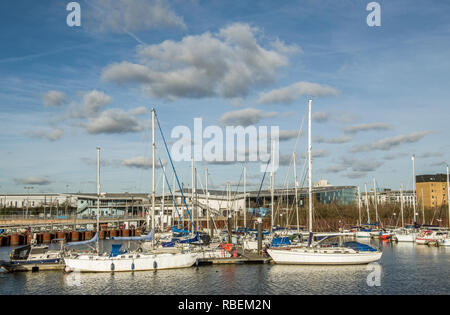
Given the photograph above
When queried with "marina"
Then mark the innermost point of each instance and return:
(217, 154)
(406, 269)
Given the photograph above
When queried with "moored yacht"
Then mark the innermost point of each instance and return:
(318, 253)
(139, 260)
(34, 258)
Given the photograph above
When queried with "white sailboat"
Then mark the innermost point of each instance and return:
(136, 261)
(407, 234)
(364, 232)
(315, 254)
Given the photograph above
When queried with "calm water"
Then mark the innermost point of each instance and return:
(406, 269)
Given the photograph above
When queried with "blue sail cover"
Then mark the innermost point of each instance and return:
(280, 241)
(148, 237)
(92, 240)
(115, 250)
(189, 240)
(360, 247)
(178, 231)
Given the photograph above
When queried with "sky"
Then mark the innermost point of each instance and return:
(380, 94)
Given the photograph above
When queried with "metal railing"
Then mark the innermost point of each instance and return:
(71, 218)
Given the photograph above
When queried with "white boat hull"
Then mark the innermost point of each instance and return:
(444, 242)
(363, 234)
(411, 237)
(423, 241)
(141, 262)
(305, 256)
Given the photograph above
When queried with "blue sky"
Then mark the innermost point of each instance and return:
(381, 92)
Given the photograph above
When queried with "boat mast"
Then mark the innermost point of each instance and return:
(367, 204)
(375, 200)
(207, 199)
(414, 186)
(245, 195)
(193, 191)
(272, 185)
(401, 204)
(310, 167)
(153, 176)
(98, 199)
(296, 191)
(163, 201)
(359, 206)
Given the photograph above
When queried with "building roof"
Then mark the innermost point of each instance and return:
(436, 178)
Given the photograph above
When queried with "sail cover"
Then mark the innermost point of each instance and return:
(92, 240)
(148, 237)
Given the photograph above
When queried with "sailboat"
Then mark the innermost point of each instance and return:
(365, 230)
(407, 233)
(139, 260)
(315, 254)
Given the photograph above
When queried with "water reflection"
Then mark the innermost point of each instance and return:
(406, 269)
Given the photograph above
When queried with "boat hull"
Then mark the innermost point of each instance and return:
(124, 263)
(362, 234)
(405, 237)
(309, 257)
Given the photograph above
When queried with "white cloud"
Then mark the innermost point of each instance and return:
(52, 135)
(389, 143)
(320, 117)
(33, 180)
(442, 164)
(337, 140)
(138, 111)
(431, 154)
(122, 16)
(367, 127)
(227, 64)
(291, 93)
(244, 117)
(285, 135)
(141, 162)
(356, 168)
(92, 104)
(319, 153)
(54, 98)
(113, 121)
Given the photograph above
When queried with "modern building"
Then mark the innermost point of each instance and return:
(120, 204)
(220, 203)
(22, 201)
(431, 190)
(387, 196)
